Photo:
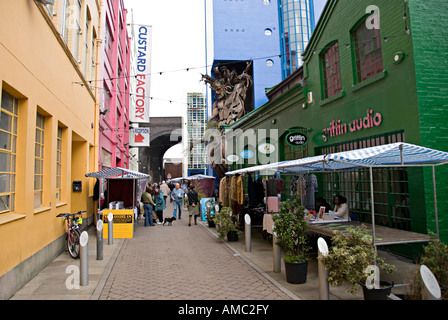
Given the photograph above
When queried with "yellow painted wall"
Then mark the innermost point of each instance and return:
(39, 70)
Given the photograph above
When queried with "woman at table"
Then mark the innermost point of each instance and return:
(341, 207)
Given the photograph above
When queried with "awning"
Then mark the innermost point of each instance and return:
(118, 173)
(398, 154)
(394, 154)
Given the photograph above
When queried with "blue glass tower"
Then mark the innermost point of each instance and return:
(248, 30)
(297, 22)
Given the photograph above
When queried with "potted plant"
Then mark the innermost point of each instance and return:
(291, 233)
(209, 214)
(227, 225)
(351, 259)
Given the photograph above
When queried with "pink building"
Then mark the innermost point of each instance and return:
(114, 102)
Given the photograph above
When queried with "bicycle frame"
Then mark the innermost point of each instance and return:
(73, 231)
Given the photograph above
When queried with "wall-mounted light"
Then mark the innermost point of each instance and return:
(104, 112)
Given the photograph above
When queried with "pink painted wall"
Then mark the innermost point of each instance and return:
(115, 68)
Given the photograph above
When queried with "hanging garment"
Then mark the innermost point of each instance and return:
(311, 189)
(251, 191)
(271, 185)
(239, 190)
(280, 185)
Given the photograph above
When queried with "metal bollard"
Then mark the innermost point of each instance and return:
(324, 290)
(247, 232)
(110, 235)
(99, 240)
(277, 254)
(84, 258)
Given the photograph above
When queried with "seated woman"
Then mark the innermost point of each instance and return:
(341, 207)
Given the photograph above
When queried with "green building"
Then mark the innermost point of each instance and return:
(375, 72)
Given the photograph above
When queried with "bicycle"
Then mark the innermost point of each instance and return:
(73, 232)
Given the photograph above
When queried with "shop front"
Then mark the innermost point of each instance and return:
(122, 191)
(330, 107)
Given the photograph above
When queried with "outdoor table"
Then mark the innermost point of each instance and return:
(383, 235)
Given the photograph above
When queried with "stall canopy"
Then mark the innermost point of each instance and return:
(205, 182)
(118, 173)
(389, 155)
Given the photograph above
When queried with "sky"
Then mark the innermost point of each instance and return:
(178, 43)
(178, 28)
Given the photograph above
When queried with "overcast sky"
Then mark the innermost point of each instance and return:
(178, 43)
(178, 28)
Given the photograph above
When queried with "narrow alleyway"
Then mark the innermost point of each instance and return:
(182, 262)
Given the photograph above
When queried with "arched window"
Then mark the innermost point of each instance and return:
(331, 70)
(367, 49)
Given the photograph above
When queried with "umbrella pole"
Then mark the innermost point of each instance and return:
(373, 206)
(436, 215)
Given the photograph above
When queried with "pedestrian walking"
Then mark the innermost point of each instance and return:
(165, 189)
(193, 205)
(148, 204)
(171, 186)
(160, 204)
(177, 196)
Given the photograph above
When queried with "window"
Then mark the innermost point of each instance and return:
(8, 140)
(59, 166)
(39, 161)
(367, 43)
(331, 70)
(391, 191)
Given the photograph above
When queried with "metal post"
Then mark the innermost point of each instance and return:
(277, 254)
(247, 231)
(436, 215)
(84, 258)
(99, 240)
(324, 290)
(110, 235)
(373, 207)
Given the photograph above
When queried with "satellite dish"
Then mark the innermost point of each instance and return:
(216, 208)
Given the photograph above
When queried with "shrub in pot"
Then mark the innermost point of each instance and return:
(291, 233)
(349, 258)
(227, 224)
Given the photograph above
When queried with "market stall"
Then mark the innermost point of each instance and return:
(389, 155)
(123, 189)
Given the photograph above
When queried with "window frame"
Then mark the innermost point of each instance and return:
(12, 152)
(373, 69)
(333, 77)
(39, 159)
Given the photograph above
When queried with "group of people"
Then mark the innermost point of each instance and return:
(154, 200)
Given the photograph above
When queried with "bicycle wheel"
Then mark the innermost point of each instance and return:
(73, 243)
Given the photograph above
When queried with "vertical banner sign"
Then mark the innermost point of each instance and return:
(140, 111)
(139, 137)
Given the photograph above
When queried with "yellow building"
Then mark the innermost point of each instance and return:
(48, 128)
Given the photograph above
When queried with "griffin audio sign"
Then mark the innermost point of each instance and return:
(296, 139)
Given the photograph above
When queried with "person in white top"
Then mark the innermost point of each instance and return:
(165, 189)
(341, 207)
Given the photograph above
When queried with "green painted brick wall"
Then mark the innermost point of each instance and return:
(429, 21)
(411, 96)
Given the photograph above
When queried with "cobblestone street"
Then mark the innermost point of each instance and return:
(181, 262)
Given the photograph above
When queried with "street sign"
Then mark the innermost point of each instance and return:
(139, 137)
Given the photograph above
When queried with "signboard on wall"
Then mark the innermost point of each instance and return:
(139, 112)
(297, 139)
(139, 137)
(123, 223)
